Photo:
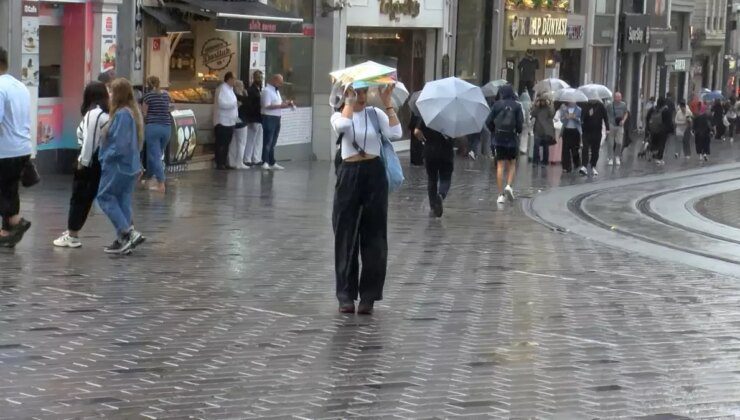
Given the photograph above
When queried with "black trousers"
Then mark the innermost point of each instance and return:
(528, 85)
(439, 163)
(590, 150)
(223, 140)
(571, 142)
(360, 221)
(657, 142)
(84, 190)
(10, 177)
(703, 141)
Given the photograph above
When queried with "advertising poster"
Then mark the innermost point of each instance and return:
(30, 69)
(108, 42)
(137, 77)
(658, 11)
(30, 57)
(49, 127)
(184, 139)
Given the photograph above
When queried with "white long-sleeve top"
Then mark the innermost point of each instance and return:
(362, 130)
(89, 133)
(226, 107)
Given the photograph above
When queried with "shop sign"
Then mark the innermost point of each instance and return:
(531, 30)
(395, 8)
(636, 33)
(260, 26)
(184, 136)
(216, 54)
(30, 8)
(679, 64)
(108, 42)
(575, 32)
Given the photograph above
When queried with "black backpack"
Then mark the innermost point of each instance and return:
(505, 120)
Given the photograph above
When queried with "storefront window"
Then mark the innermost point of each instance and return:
(469, 49)
(301, 8)
(50, 62)
(293, 58)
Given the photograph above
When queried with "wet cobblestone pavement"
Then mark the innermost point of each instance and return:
(228, 311)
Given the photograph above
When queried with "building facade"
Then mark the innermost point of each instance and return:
(709, 23)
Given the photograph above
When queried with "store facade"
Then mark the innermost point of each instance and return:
(634, 45)
(55, 48)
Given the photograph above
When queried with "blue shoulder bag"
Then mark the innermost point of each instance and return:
(393, 169)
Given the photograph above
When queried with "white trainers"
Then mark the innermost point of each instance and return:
(594, 172)
(66, 241)
(266, 166)
(276, 167)
(618, 161)
(509, 192)
(471, 155)
(501, 199)
(583, 171)
(610, 162)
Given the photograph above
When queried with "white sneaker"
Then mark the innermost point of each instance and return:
(66, 241)
(266, 166)
(471, 154)
(509, 192)
(618, 162)
(501, 199)
(276, 167)
(594, 172)
(583, 171)
(610, 162)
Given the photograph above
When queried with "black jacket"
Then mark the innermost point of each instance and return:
(250, 110)
(508, 99)
(594, 114)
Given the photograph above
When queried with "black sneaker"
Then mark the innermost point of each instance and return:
(136, 238)
(439, 207)
(365, 308)
(121, 245)
(16, 234)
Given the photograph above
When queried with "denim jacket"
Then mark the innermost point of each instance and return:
(119, 150)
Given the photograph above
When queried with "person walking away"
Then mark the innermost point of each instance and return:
(718, 116)
(225, 115)
(618, 115)
(272, 111)
(86, 179)
(239, 142)
(360, 214)
(251, 110)
(594, 119)
(660, 124)
(474, 145)
(571, 116)
(729, 120)
(505, 122)
(157, 130)
(15, 152)
(120, 164)
(682, 122)
(439, 157)
(702, 127)
(544, 130)
(416, 152)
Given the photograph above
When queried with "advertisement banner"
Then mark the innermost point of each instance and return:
(658, 11)
(30, 57)
(49, 127)
(108, 42)
(636, 33)
(184, 137)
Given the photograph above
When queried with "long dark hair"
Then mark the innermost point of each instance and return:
(96, 94)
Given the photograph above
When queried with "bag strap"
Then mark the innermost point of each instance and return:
(95, 130)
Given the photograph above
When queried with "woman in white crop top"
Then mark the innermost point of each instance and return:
(360, 216)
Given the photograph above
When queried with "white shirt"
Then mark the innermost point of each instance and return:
(226, 107)
(271, 97)
(362, 129)
(89, 133)
(15, 118)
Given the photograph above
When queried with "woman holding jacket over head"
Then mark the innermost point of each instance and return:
(87, 173)
(360, 216)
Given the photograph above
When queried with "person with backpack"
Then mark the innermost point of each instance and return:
(570, 115)
(702, 127)
(505, 122)
(660, 124)
(594, 116)
(439, 157)
(87, 173)
(360, 214)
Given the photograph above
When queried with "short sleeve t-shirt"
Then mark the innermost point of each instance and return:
(15, 119)
(616, 110)
(158, 108)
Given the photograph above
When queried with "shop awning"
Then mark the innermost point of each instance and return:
(171, 23)
(250, 16)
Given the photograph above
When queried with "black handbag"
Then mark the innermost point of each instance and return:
(550, 141)
(29, 175)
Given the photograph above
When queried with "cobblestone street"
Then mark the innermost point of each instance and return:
(228, 310)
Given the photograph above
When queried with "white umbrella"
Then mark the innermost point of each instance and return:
(550, 85)
(596, 92)
(491, 88)
(367, 73)
(570, 95)
(453, 107)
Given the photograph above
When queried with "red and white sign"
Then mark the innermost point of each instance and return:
(156, 44)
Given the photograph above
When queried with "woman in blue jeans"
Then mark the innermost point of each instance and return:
(156, 108)
(120, 164)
